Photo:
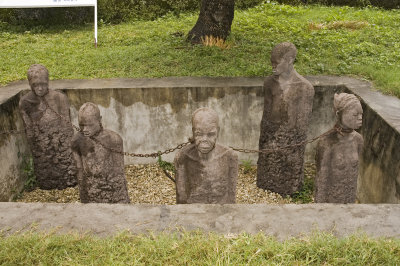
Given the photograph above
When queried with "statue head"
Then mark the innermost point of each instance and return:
(348, 110)
(38, 77)
(205, 129)
(282, 58)
(89, 119)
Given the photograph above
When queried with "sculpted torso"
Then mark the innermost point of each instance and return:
(97, 160)
(49, 131)
(206, 172)
(101, 175)
(288, 104)
(337, 167)
(35, 111)
(206, 181)
(338, 154)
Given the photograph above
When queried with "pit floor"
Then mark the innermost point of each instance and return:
(147, 184)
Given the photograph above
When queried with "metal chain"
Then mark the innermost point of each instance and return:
(335, 128)
(180, 146)
(145, 155)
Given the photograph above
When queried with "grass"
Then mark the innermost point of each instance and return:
(305, 195)
(351, 41)
(196, 248)
(213, 41)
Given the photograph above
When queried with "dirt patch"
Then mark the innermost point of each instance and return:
(148, 184)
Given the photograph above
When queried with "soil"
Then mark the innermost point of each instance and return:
(147, 184)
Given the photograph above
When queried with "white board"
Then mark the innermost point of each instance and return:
(52, 3)
(45, 3)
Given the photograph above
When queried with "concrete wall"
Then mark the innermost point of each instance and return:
(155, 114)
(14, 151)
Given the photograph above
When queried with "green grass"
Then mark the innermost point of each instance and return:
(196, 248)
(151, 49)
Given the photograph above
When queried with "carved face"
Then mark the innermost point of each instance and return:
(40, 85)
(205, 135)
(281, 65)
(89, 124)
(352, 116)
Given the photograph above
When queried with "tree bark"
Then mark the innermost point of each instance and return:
(215, 20)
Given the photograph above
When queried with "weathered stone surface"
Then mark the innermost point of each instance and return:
(101, 175)
(338, 154)
(206, 172)
(287, 108)
(49, 136)
(150, 115)
(281, 221)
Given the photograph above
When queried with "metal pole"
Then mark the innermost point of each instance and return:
(95, 25)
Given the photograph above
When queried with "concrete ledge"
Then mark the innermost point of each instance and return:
(155, 114)
(281, 221)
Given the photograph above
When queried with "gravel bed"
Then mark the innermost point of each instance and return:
(147, 184)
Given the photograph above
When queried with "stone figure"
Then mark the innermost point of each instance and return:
(338, 154)
(101, 174)
(288, 104)
(206, 172)
(49, 135)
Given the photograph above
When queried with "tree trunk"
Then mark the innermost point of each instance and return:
(215, 20)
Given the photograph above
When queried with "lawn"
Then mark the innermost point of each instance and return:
(330, 40)
(196, 248)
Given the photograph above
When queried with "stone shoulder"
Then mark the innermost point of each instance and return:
(112, 136)
(58, 94)
(224, 150)
(269, 80)
(77, 138)
(180, 155)
(27, 98)
(358, 137)
(306, 81)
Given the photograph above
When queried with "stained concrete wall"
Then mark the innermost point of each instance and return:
(155, 114)
(14, 151)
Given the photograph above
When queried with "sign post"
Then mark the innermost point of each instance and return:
(53, 3)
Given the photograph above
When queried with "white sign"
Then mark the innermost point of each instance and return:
(45, 3)
(52, 3)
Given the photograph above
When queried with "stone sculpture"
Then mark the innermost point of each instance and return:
(48, 134)
(206, 172)
(338, 154)
(287, 108)
(101, 175)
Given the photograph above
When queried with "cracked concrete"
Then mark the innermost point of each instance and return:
(281, 221)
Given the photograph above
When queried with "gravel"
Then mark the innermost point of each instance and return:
(147, 184)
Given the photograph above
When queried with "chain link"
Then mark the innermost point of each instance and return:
(335, 128)
(144, 155)
(180, 146)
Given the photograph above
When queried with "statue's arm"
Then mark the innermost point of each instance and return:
(267, 87)
(24, 114)
(268, 94)
(360, 146)
(77, 158)
(323, 158)
(64, 106)
(26, 118)
(118, 145)
(79, 166)
(233, 174)
(181, 193)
